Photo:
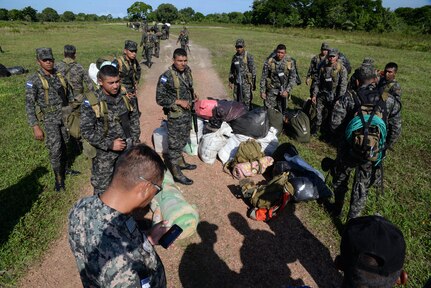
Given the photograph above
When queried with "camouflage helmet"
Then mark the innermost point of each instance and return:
(130, 45)
(325, 46)
(240, 43)
(44, 53)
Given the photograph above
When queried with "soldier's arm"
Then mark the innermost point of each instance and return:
(316, 84)
(90, 130)
(291, 80)
(311, 72)
(30, 101)
(135, 127)
(396, 90)
(394, 122)
(344, 104)
(166, 93)
(265, 72)
(138, 71)
(343, 80)
(232, 71)
(251, 66)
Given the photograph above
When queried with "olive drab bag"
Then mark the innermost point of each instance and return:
(298, 126)
(248, 151)
(367, 130)
(267, 200)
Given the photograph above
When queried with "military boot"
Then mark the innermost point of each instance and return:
(184, 165)
(177, 174)
(59, 182)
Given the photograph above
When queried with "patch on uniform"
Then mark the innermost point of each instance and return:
(163, 80)
(145, 283)
(87, 103)
(29, 84)
(131, 225)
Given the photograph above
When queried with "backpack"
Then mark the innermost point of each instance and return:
(298, 126)
(367, 130)
(248, 151)
(267, 200)
(346, 62)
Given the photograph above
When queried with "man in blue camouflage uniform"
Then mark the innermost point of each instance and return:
(278, 80)
(242, 69)
(388, 81)
(331, 83)
(313, 70)
(148, 42)
(347, 160)
(109, 123)
(109, 248)
(176, 95)
(130, 71)
(50, 98)
(183, 38)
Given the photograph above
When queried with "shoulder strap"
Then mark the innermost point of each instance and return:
(45, 86)
(176, 81)
(126, 99)
(388, 87)
(244, 59)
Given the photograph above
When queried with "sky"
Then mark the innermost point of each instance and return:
(118, 8)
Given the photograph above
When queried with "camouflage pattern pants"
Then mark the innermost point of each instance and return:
(360, 187)
(103, 169)
(275, 101)
(324, 109)
(55, 140)
(148, 50)
(157, 49)
(178, 135)
(247, 94)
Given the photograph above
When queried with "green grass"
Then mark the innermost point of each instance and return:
(32, 215)
(407, 179)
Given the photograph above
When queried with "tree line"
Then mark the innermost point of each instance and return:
(360, 15)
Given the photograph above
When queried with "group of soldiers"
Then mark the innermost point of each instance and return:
(336, 101)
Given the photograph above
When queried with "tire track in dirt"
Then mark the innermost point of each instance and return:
(234, 250)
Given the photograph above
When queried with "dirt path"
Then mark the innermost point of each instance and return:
(229, 249)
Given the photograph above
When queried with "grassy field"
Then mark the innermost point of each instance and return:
(32, 215)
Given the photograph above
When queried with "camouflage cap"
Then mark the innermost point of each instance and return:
(69, 49)
(239, 42)
(130, 45)
(366, 72)
(44, 53)
(333, 52)
(325, 46)
(368, 61)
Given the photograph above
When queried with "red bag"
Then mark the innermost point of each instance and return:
(264, 214)
(204, 108)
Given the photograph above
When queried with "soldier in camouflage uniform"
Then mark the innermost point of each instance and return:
(148, 47)
(75, 74)
(347, 160)
(176, 95)
(50, 99)
(313, 70)
(331, 83)
(183, 38)
(130, 71)
(388, 82)
(109, 247)
(144, 41)
(242, 69)
(110, 124)
(278, 79)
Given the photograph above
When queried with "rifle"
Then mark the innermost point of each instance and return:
(239, 93)
(194, 115)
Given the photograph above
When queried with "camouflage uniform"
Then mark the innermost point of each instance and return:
(392, 87)
(76, 76)
(330, 84)
(313, 70)
(183, 38)
(93, 130)
(144, 40)
(157, 38)
(109, 248)
(274, 81)
(343, 111)
(179, 119)
(130, 74)
(56, 133)
(245, 63)
(148, 48)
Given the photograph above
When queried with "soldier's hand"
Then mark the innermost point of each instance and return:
(308, 81)
(38, 133)
(183, 103)
(119, 144)
(157, 232)
(314, 99)
(230, 85)
(284, 94)
(263, 95)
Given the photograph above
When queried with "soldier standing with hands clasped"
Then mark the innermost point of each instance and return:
(130, 71)
(176, 95)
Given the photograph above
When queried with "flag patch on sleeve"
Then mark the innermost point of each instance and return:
(29, 84)
(163, 79)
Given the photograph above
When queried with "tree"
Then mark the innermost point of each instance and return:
(186, 14)
(29, 14)
(166, 13)
(139, 11)
(198, 17)
(14, 14)
(3, 14)
(49, 15)
(68, 16)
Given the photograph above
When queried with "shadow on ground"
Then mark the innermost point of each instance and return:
(17, 200)
(264, 256)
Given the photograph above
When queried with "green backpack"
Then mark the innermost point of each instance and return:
(299, 126)
(248, 151)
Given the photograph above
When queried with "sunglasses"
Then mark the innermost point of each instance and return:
(238, 46)
(46, 60)
(158, 188)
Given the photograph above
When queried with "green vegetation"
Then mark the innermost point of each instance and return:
(407, 179)
(33, 215)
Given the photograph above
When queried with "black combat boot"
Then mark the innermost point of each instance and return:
(184, 165)
(177, 174)
(59, 182)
